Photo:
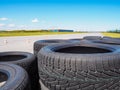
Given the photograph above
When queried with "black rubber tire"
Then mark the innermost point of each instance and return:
(71, 71)
(41, 43)
(110, 41)
(107, 37)
(92, 37)
(117, 38)
(76, 39)
(80, 40)
(54, 82)
(26, 60)
(15, 77)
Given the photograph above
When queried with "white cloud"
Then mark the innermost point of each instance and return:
(11, 25)
(35, 20)
(1, 24)
(3, 19)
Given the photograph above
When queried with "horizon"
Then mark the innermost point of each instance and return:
(78, 15)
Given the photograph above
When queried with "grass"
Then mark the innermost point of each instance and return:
(31, 33)
(114, 35)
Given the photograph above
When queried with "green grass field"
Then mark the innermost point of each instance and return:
(114, 35)
(31, 33)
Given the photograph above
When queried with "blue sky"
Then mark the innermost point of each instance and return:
(80, 15)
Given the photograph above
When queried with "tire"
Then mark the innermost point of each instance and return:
(92, 37)
(84, 66)
(117, 38)
(110, 41)
(80, 40)
(76, 39)
(106, 37)
(41, 43)
(26, 60)
(14, 77)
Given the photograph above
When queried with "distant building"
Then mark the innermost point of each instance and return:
(61, 30)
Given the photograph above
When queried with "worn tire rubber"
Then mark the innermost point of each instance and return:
(107, 37)
(54, 82)
(92, 37)
(41, 43)
(71, 71)
(80, 40)
(16, 77)
(26, 60)
(110, 41)
(115, 41)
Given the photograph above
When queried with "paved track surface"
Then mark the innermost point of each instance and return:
(25, 43)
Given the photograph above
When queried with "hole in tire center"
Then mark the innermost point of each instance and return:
(82, 50)
(12, 57)
(3, 78)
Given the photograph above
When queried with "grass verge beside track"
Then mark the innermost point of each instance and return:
(32, 33)
(114, 35)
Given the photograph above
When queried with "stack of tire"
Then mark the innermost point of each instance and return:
(41, 43)
(84, 64)
(103, 40)
(18, 71)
